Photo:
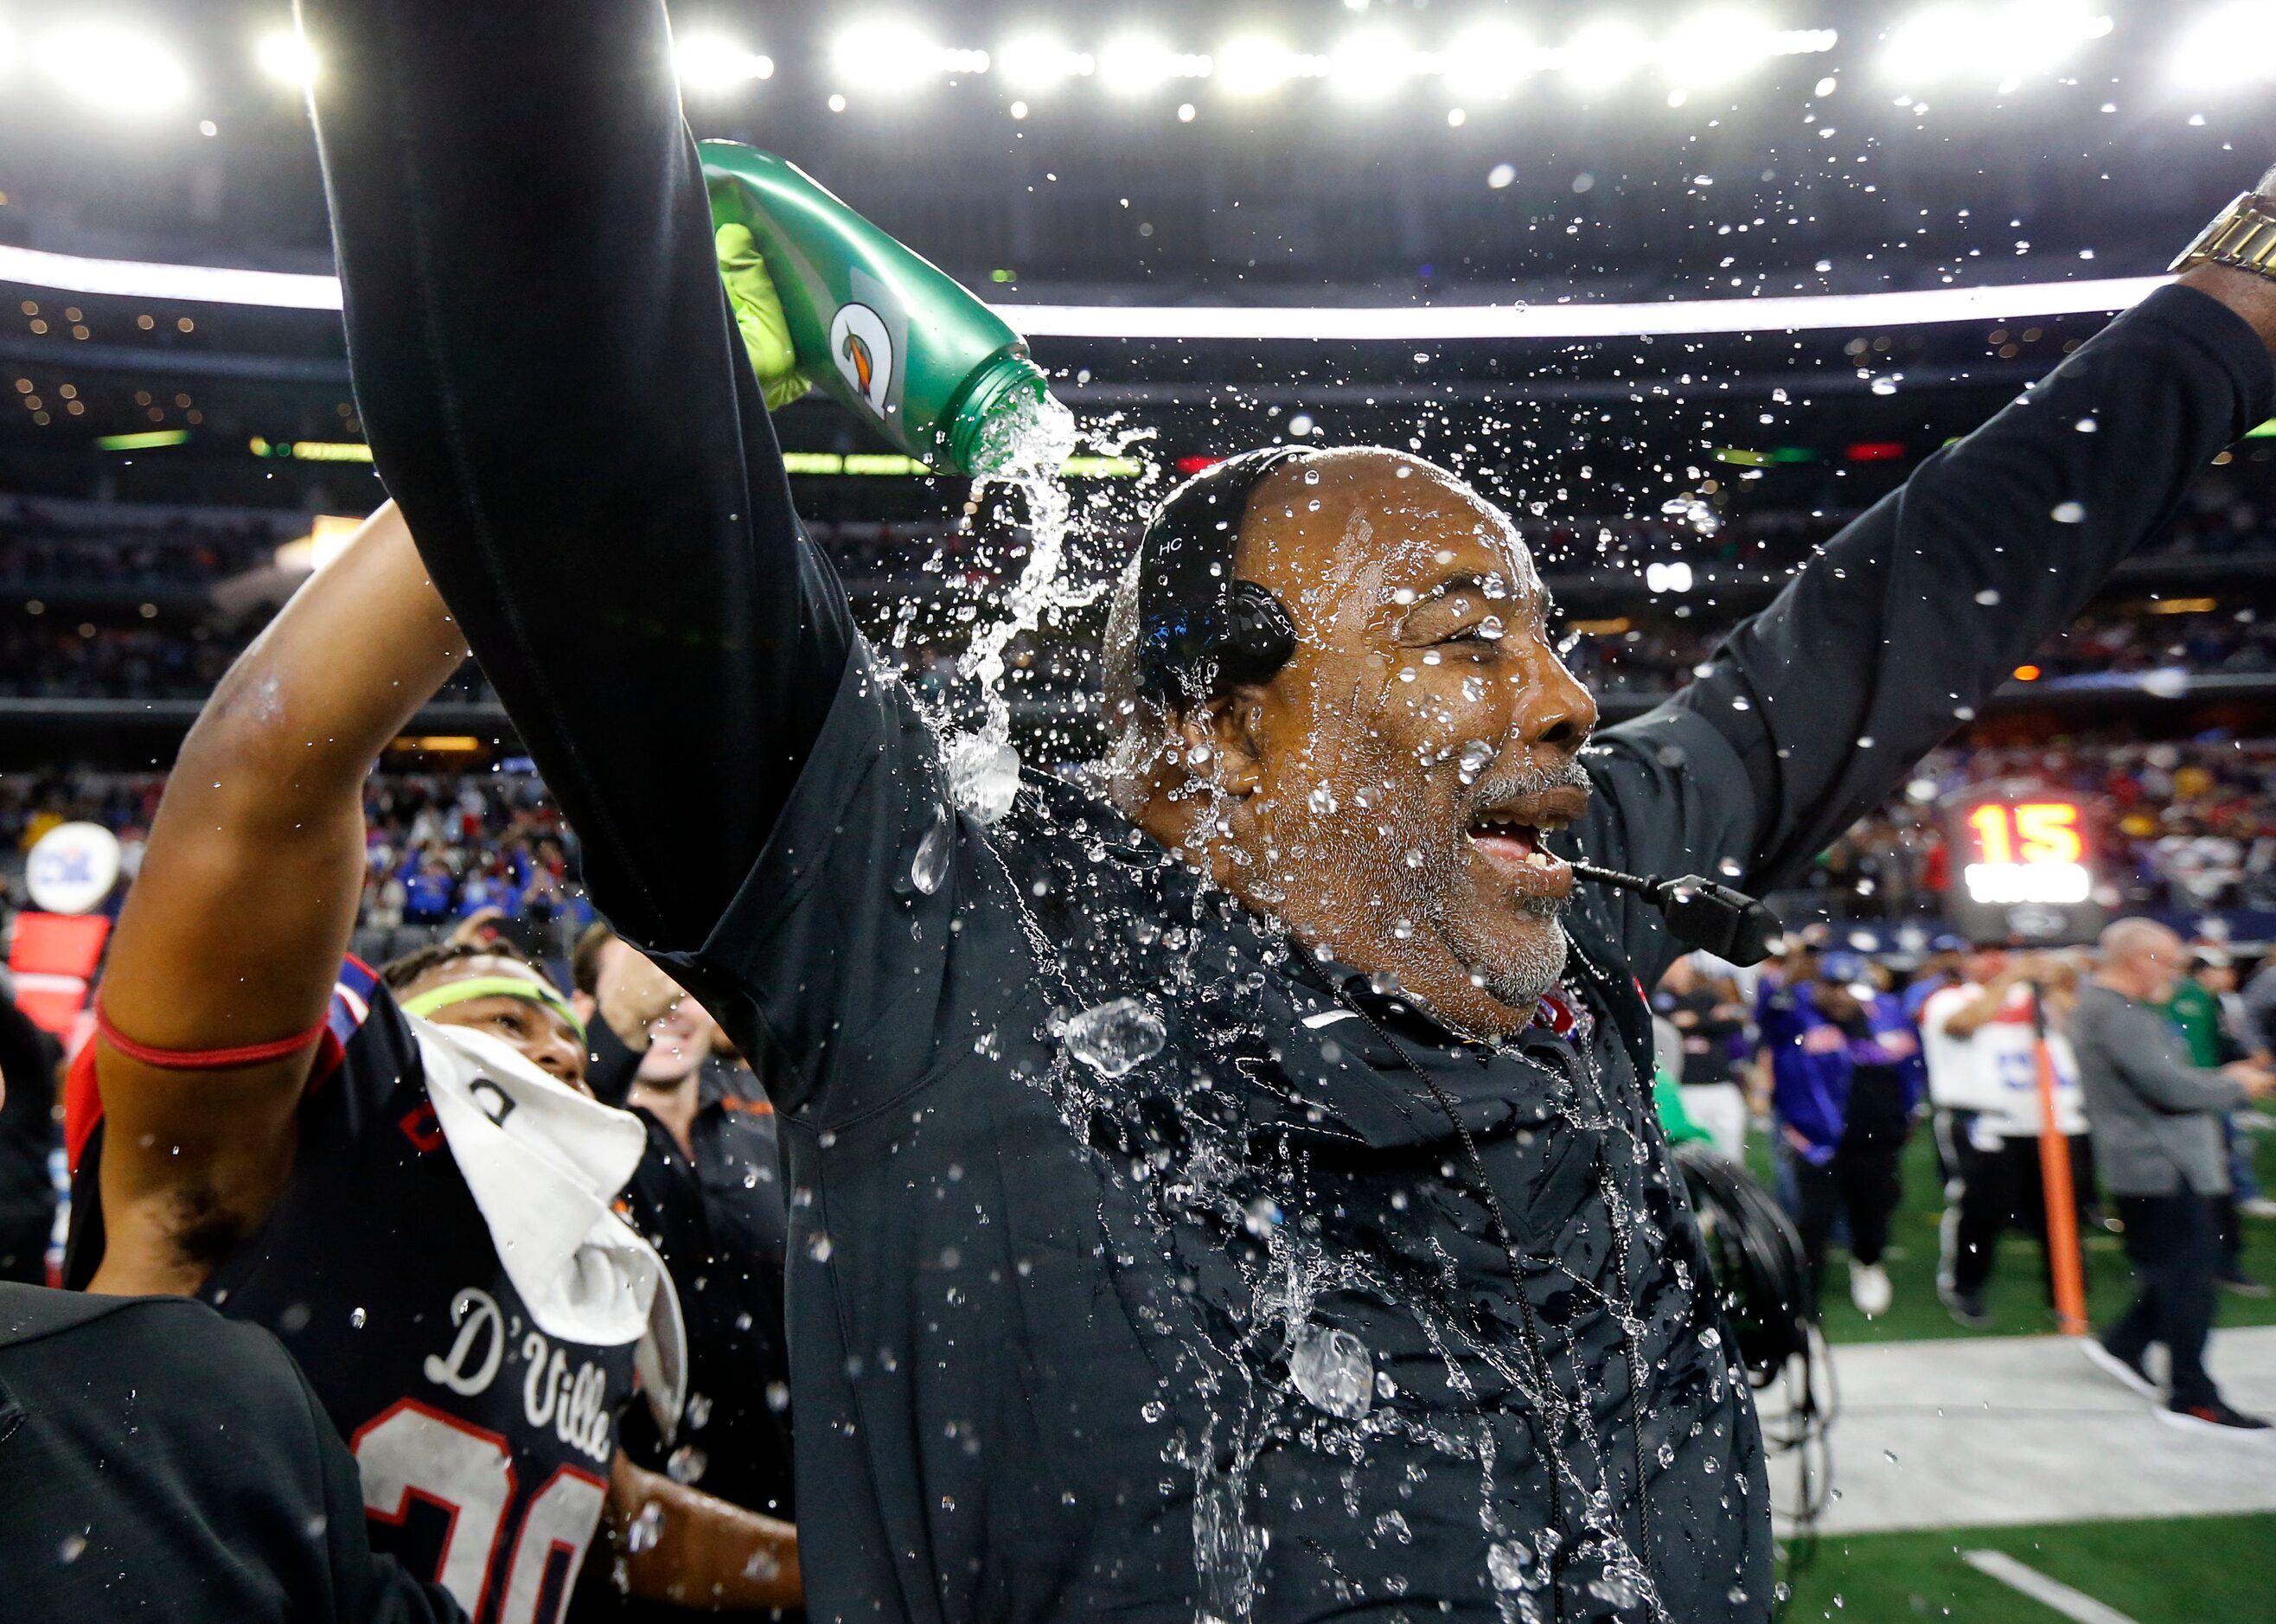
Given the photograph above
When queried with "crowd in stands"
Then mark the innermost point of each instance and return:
(2179, 825)
(2185, 827)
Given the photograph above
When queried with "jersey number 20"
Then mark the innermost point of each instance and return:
(410, 1452)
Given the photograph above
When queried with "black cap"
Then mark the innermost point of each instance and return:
(1190, 607)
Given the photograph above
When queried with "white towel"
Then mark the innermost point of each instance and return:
(544, 1163)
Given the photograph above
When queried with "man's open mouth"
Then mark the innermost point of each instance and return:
(1510, 838)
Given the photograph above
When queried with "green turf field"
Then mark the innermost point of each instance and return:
(2016, 1297)
(2189, 1570)
(2197, 1570)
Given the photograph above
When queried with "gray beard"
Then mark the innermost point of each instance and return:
(1536, 969)
(1540, 963)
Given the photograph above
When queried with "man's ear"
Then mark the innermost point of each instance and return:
(1227, 728)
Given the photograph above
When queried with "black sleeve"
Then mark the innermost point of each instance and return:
(611, 1064)
(555, 394)
(1919, 609)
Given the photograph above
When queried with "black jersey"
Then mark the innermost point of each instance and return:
(484, 1444)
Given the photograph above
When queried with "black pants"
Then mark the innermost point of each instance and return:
(1998, 1190)
(1861, 1182)
(2174, 1243)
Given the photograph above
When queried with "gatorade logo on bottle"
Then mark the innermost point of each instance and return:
(863, 351)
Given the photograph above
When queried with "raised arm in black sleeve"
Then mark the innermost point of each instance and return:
(1919, 609)
(550, 381)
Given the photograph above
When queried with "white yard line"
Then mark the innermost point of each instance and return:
(1999, 1431)
(2071, 1603)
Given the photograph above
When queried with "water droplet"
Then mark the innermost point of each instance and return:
(697, 1412)
(1333, 1370)
(778, 1397)
(73, 1547)
(818, 1247)
(1322, 800)
(929, 866)
(1115, 1037)
(1989, 596)
(984, 775)
(686, 1463)
(356, 1319)
(646, 1528)
(1617, 1586)
(2068, 512)
(1508, 1564)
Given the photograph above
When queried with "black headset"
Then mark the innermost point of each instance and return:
(1192, 612)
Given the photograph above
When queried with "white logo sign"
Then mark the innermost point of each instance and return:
(863, 351)
(72, 868)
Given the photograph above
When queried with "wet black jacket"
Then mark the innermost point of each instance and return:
(1135, 1269)
(158, 1462)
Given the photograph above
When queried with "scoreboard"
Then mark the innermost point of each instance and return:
(2023, 866)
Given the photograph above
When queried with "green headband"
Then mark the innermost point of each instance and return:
(493, 987)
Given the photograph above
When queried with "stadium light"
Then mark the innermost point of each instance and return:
(1135, 62)
(285, 58)
(1251, 65)
(1603, 54)
(1797, 313)
(1370, 64)
(2234, 45)
(712, 62)
(113, 67)
(1038, 61)
(1489, 59)
(893, 55)
(1716, 47)
(2005, 44)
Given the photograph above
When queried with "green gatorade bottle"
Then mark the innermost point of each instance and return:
(892, 336)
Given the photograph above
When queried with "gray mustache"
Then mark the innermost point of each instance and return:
(1523, 781)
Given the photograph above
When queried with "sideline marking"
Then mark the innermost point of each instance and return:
(2071, 1603)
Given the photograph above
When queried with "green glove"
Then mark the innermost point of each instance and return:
(759, 316)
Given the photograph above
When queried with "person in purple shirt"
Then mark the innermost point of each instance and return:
(1845, 1069)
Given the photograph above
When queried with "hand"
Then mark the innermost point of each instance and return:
(633, 994)
(478, 929)
(2257, 1081)
(2251, 296)
(759, 316)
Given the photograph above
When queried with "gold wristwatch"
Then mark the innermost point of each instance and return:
(2242, 235)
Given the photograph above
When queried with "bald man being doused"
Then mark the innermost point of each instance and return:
(1238, 1197)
